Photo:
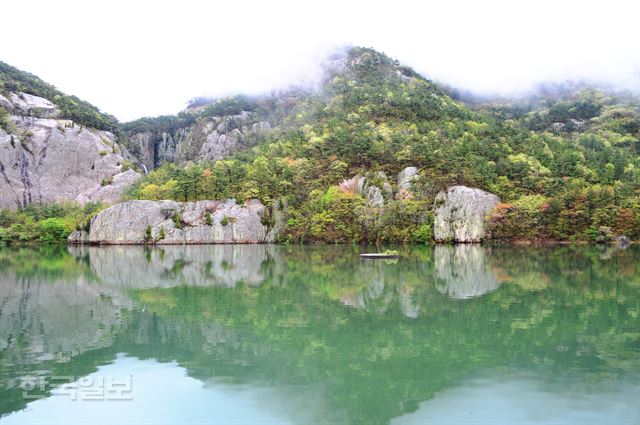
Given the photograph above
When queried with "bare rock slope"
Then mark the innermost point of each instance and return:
(44, 159)
(209, 138)
(170, 222)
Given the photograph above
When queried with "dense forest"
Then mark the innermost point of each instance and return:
(564, 161)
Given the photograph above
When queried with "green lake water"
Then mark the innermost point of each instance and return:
(312, 335)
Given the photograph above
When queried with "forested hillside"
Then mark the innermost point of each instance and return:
(565, 163)
(362, 157)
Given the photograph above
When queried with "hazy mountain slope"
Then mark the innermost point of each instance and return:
(210, 130)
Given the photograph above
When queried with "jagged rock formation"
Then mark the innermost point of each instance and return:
(460, 214)
(375, 188)
(169, 222)
(407, 178)
(154, 149)
(209, 138)
(44, 160)
(217, 137)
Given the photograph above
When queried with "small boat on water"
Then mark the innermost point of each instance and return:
(378, 256)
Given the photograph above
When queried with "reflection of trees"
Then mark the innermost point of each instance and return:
(371, 362)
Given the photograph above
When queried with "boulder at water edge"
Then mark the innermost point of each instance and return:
(460, 214)
(170, 222)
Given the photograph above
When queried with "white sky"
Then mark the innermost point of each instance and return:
(143, 58)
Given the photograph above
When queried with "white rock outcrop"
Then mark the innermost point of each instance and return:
(170, 222)
(407, 178)
(460, 214)
(368, 186)
(34, 106)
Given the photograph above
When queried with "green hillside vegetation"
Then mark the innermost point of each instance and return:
(48, 223)
(564, 161)
(565, 165)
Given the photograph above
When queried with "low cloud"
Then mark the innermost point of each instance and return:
(137, 59)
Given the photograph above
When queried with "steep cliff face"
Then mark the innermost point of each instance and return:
(207, 138)
(44, 159)
(154, 148)
(169, 222)
(460, 214)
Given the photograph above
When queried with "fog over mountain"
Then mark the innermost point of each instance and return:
(147, 58)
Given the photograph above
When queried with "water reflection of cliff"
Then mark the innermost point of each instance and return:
(278, 315)
(46, 297)
(42, 321)
(136, 267)
(456, 271)
(49, 317)
(463, 271)
(57, 305)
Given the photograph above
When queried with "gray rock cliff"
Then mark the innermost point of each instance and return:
(460, 214)
(45, 160)
(33, 106)
(209, 138)
(202, 222)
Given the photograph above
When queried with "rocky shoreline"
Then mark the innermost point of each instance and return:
(460, 217)
(177, 223)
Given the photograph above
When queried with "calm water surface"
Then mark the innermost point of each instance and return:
(296, 335)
